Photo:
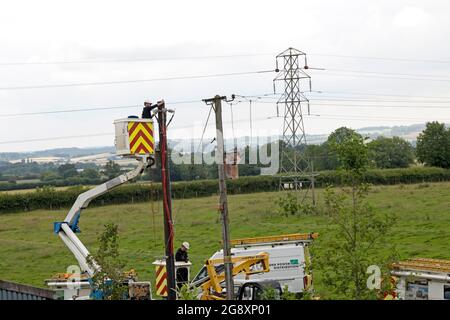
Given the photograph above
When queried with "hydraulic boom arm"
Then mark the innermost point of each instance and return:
(212, 288)
(67, 228)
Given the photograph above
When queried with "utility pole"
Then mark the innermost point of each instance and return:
(167, 200)
(216, 104)
(296, 169)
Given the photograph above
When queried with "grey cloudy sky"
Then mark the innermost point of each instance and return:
(333, 34)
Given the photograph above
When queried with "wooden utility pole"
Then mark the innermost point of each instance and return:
(216, 103)
(167, 201)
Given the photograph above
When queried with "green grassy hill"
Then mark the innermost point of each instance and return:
(30, 252)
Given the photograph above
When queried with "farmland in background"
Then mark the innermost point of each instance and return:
(30, 252)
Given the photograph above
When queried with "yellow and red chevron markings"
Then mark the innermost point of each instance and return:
(141, 137)
(161, 281)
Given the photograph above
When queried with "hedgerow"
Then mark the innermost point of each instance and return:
(49, 198)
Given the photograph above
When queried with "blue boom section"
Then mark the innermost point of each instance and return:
(74, 226)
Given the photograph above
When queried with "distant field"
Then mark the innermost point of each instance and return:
(30, 252)
(33, 190)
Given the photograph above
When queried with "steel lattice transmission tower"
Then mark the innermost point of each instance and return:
(296, 169)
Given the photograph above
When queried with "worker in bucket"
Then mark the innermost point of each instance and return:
(147, 110)
(182, 256)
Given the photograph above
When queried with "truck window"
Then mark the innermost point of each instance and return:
(203, 274)
(447, 292)
(417, 290)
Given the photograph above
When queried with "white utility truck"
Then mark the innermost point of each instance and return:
(289, 265)
(422, 279)
(134, 139)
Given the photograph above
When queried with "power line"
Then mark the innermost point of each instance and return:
(125, 60)
(85, 109)
(337, 99)
(57, 138)
(366, 117)
(64, 111)
(261, 119)
(389, 73)
(381, 77)
(324, 93)
(380, 106)
(358, 99)
(381, 58)
(362, 105)
(204, 128)
(93, 61)
(377, 94)
(88, 109)
(82, 84)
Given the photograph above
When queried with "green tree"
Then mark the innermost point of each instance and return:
(340, 135)
(110, 278)
(433, 145)
(186, 292)
(356, 232)
(90, 173)
(49, 176)
(351, 151)
(392, 152)
(67, 170)
(112, 169)
(330, 159)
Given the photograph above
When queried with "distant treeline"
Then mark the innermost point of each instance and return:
(433, 149)
(50, 199)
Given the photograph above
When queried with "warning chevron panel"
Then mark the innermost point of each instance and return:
(161, 281)
(141, 137)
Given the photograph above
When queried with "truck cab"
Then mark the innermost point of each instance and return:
(289, 262)
(422, 279)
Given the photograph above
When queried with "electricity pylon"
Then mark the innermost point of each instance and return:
(295, 168)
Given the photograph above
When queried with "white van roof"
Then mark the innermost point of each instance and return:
(269, 240)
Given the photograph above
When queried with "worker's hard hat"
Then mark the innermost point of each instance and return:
(185, 244)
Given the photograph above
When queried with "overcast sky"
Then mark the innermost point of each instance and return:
(410, 40)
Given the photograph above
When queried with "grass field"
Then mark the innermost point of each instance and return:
(30, 252)
(19, 191)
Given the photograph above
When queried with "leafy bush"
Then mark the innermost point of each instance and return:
(187, 292)
(289, 204)
(48, 198)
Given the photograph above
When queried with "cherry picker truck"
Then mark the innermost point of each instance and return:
(251, 269)
(134, 139)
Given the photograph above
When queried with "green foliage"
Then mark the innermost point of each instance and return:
(360, 234)
(112, 169)
(269, 293)
(433, 145)
(360, 231)
(27, 237)
(351, 152)
(186, 292)
(49, 176)
(340, 135)
(90, 173)
(133, 193)
(287, 295)
(67, 170)
(289, 204)
(322, 156)
(110, 279)
(391, 152)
